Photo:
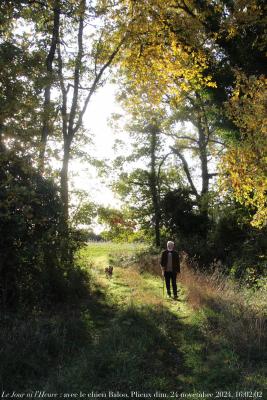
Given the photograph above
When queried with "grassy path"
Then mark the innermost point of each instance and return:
(140, 341)
(147, 344)
(122, 336)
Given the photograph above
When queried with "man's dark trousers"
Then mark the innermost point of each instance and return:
(171, 276)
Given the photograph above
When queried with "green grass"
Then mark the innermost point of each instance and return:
(124, 336)
(206, 360)
(99, 252)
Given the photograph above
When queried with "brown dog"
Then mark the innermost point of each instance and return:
(109, 271)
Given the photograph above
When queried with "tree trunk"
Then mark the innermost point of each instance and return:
(64, 189)
(46, 128)
(2, 147)
(203, 137)
(153, 185)
(72, 116)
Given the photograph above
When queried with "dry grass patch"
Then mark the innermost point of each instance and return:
(232, 312)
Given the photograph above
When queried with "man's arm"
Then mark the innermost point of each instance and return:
(178, 262)
(161, 264)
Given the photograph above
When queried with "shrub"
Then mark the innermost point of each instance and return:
(30, 271)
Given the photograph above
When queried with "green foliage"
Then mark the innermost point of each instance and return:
(19, 95)
(30, 207)
(180, 214)
(183, 222)
(119, 226)
(232, 244)
(84, 214)
(30, 211)
(240, 247)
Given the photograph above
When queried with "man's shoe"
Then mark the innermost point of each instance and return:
(175, 297)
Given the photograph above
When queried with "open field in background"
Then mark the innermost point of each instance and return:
(100, 252)
(126, 335)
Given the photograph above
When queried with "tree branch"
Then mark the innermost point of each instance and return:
(138, 183)
(64, 95)
(186, 170)
(47, 92)
(187, 138)
(80, 87)
(159, 170)
(77, 69)
(217, 141)
(96, 82)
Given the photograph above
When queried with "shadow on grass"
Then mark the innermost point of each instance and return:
(146, 349)
(101, 347)
(243, 329)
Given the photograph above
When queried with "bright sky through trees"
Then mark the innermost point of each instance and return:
(96, 123)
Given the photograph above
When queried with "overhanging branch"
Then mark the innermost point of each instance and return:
(96, 82)
(186, 170)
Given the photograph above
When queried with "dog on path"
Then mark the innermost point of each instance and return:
(109, 271)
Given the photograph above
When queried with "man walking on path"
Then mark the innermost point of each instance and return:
(170, 266)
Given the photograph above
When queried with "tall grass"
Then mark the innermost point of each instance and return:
(234, 312)
(232, 319)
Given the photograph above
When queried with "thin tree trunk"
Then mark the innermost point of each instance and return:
(64, 183)
(2, 147)
(64, 191)
(46, 128)
(203, 139)
(153, 185)
(68, 134)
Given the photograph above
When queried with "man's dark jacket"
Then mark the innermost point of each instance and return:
(175, 260)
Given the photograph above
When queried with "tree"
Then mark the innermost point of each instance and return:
(166, 69)
(178, 48)
(84, 213)
(181, 217)
(71, 53)
(118, 224)
(50, 77)
(19, 98)
(82, 68)
(143, 187)
(203, 142)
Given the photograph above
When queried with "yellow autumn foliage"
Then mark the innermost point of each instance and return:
(245, 163)
(166, 58)
(155, 60)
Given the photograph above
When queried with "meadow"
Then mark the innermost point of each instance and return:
(100, 251)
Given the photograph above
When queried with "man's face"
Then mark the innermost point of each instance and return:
(170, 247)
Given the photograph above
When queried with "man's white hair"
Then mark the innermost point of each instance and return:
(170, 244)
